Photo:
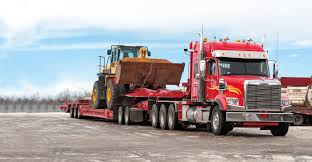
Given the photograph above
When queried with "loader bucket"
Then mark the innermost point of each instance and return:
(148, 72)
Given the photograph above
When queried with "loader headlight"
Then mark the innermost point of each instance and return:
(285, 102)
(232, 101)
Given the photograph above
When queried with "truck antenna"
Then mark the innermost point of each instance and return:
(277, 47)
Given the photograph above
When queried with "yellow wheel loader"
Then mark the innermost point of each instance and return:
(129, 67)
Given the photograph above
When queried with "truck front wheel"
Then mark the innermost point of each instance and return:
(218, 122)
(280, 130)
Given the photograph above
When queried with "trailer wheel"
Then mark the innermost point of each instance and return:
(78, 113)
(280, 130)
(127, 115)
(172, 118)
(298, 119)
(120, 115)
(113, 92)
(71, 111)
(218, 122)
(97, 95)
(154, 116)
(163, 117)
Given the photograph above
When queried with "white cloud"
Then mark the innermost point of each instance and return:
(303, 43)
(246, 17)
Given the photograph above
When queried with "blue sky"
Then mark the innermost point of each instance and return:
(48, 46)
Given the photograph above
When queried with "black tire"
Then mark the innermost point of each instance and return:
(121, 115)
(154, 115)
(97, 96)
(218, 122)
(229, 127)
(280, 130)
(172, 118)
(78, 113)
(75, 112)
(298, 119)
(113, 92)
(71, 111)
(127, 115)
(163, 117)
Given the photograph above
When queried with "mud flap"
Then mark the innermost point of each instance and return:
(136, 115)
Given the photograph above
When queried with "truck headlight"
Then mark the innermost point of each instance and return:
(232, 101)
(285, 102)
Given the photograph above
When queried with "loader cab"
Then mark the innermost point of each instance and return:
(119, 52)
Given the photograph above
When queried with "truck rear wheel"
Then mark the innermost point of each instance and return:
(298, 119)
(172, 118)
(218, 122)
(127, 115)
(121, 115)
(280, 130)
(163, 117)
(154, 116)
(97, 96)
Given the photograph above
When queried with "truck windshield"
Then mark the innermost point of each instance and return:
(236, 66)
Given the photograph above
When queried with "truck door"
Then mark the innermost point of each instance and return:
(194, 80)
(211, 81)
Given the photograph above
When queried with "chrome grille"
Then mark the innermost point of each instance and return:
(263, 96)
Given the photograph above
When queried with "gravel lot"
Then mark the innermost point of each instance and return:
(56, 137)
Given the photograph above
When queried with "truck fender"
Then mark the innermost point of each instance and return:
(220, 99)
(220, 102)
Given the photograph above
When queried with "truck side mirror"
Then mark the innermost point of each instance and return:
(149, 53)
(109, 52)
(275, 70)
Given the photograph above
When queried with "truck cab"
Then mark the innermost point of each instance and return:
(234, 78)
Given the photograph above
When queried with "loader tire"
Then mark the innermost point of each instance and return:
(97, 95)
(113, 93)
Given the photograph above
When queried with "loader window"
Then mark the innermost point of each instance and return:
(124, 53)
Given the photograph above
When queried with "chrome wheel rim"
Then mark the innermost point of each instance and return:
(126, 115)
(153, 118)
(215, 121)
(119, 115)
(170, 119)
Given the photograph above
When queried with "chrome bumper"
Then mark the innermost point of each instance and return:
(258, 117)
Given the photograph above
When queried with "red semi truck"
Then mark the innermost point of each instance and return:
(229, 86)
